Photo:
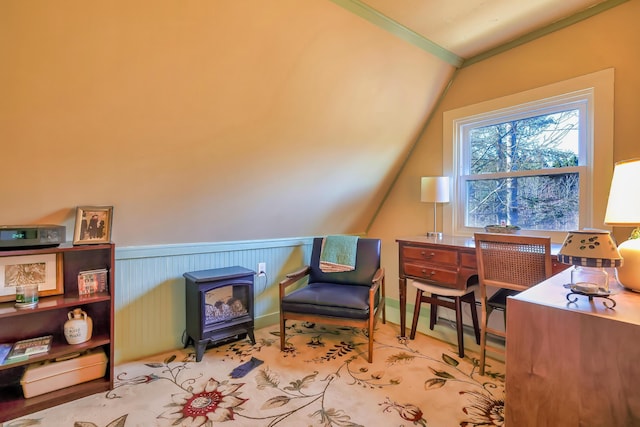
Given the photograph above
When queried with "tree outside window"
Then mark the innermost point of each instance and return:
(522, 172)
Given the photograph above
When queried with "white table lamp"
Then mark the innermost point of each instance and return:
(623, 209)
(434, 189)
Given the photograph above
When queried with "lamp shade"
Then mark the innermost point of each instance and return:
(623, 207)
(434, 189)
(590, 248)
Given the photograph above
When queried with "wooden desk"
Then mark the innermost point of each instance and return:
(572, 364)
(448, 262)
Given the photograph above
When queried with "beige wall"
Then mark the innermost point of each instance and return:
(205, 120)
(608, 40)
(216, 121)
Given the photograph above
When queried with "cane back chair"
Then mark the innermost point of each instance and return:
(512, 263)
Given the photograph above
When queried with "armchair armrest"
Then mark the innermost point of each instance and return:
(292, 278)
(376, 283)
(299, 273)
(378, 276)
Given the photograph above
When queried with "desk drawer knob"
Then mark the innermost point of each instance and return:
(424, 272)
(424, 254)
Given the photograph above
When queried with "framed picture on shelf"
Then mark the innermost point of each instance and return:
(93, 225)
(92, 281)
(44, 270)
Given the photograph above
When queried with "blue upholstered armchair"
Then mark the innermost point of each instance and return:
(352, 298)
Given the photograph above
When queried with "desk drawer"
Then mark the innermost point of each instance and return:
(468, 260)
(440, 256)
(438, 276)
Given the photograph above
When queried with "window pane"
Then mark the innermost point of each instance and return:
(544, 202)
(541, 142)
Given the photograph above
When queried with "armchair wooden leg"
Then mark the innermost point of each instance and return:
(384, 312)
(370, 359)
(384, 300)
(282, 333)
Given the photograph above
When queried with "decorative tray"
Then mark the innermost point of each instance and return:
(591, 291)
(504, 229)
(587, 289)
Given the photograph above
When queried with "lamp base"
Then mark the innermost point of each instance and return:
(629, 271)
(589, 279)
(435, 234)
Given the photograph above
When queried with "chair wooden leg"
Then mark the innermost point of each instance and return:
(458, 304)
(470, 298)
(416, 314)
(434, 313)
(483, 329)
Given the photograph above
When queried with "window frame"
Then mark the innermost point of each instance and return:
(592, 92)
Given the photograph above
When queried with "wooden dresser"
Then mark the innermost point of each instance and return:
(572, 364)
(448, 262)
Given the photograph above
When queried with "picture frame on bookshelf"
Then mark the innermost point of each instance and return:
(92, 281)
(93, 225)
(44, 270)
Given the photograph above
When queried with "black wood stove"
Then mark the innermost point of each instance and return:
(219, 306)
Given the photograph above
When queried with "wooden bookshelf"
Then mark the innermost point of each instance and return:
(48, 318)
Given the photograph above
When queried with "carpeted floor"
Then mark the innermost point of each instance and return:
(322, 379)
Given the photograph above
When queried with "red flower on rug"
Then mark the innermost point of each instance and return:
(216, 402)
(407, 411)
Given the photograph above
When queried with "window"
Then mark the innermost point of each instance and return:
(531, 159)
(523, 169)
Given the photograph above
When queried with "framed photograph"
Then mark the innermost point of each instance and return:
(92, 281)
(93, 225)
(43, 270)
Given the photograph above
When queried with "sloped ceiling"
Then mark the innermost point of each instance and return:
(470, 27)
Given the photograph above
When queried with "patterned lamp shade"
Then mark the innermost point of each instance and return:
(590, 248)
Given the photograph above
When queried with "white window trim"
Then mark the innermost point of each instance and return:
(600, 85)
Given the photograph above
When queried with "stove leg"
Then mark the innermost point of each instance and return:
(200, 348)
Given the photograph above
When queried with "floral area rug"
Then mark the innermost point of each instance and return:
(322, 379)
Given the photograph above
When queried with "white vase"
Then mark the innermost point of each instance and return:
(78, 328)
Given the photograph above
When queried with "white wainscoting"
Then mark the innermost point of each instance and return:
(150, 293)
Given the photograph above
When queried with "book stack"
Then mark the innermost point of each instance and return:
(21, 350)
